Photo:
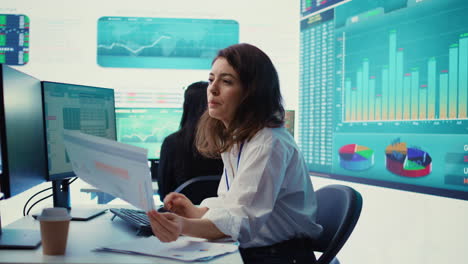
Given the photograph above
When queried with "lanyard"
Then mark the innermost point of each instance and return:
(238, 160)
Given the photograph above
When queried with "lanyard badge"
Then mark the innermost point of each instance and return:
(238, 160)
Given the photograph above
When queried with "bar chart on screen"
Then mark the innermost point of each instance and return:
(408, 73)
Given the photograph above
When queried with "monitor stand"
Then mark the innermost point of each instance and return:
(85, 214)
(61, 195)
(19, 239)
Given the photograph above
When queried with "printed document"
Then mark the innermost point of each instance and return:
(185, 248)
(115, 168)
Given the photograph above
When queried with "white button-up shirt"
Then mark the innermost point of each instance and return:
(268, 197)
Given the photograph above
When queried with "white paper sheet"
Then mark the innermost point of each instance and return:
(185, 248)
(113, 167)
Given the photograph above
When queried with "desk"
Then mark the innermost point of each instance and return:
(85, 236)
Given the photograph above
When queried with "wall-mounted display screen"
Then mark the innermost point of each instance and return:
(14, 39)
(384, 94)
(164, 43)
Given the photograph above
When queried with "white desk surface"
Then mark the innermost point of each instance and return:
(85, 236)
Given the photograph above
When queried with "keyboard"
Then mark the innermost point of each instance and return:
(135, 218)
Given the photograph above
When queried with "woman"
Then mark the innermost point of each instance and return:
(265, 198)
(179, 159)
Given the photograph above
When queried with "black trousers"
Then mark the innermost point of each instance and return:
(297, 250)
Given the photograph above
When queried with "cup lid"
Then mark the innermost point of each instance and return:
(54, 214)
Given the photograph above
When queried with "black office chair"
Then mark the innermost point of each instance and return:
(199, 188)
(339, 208)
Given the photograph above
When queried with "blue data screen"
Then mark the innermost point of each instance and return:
(162, 43)
(14, 39)
(384, 94)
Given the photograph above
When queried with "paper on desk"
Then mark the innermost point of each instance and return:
(185, 248)
(113, 167)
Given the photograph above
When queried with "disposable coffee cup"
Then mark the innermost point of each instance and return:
(54, 224)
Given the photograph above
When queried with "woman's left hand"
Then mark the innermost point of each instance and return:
(166, 226)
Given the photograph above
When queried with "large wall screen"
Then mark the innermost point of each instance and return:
(164, 43)
(384, 94)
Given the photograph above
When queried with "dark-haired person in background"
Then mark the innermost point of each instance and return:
(265, 198)
(179, 159)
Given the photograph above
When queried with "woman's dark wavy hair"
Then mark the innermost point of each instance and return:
(195, 104)
(261, 106)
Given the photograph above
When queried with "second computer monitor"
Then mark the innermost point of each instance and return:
(83, 108)
(147, 127)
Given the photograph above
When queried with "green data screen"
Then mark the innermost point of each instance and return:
(384, 94)
(147, 127)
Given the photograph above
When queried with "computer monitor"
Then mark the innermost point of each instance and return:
(145, 117)
(22, 145)
(147, 127)
(384, 94)
(84, 108)
(23, 160)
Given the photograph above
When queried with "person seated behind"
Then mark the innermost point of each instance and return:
(179, 159)
(265, 200)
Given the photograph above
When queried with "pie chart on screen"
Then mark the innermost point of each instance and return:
(355, 157)
(407, 161)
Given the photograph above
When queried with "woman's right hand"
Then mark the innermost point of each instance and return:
(181, 205)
